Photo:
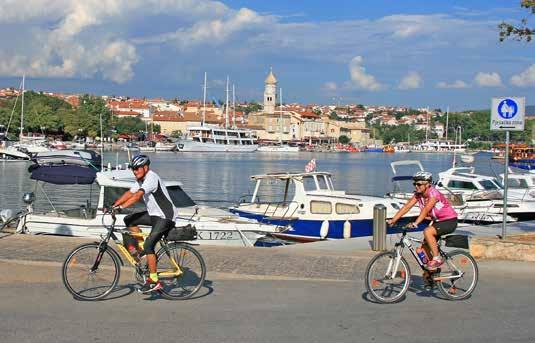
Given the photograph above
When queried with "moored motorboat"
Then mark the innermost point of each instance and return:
(214, 226)
(311, 208)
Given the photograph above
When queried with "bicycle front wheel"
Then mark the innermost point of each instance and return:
(87, 279)
(458, 275)
(384, 284)
(181, 271)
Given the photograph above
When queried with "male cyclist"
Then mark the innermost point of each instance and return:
(434, 206)
(159, 215)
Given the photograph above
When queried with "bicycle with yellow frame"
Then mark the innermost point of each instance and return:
(92, 270)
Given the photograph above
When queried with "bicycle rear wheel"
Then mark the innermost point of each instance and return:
(458, 275)
(87, 280)
(191, 271)
(382, 286)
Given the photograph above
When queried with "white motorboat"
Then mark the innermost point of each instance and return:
(485, 210)
(214, 226)
(11, 154)
(278, 148)
(485, 192)
(312, 209)
(520, 185)
(86, 158)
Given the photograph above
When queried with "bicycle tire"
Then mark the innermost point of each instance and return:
(79, 261)
(373, 281)
(193, 271)
(455, 289)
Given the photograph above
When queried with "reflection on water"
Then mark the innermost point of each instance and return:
(223, 178)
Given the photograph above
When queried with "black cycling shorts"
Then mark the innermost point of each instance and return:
(445, 227)
(160, 227)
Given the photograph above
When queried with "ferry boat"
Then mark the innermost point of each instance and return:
(439, 146)
(311, 208)
(211, 138)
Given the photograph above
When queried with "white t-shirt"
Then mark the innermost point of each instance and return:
(156, 197)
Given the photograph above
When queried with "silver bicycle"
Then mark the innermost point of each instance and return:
(388, 274)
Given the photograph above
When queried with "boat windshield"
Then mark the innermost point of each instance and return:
(279, 191)
(517, 183)
(488, 185)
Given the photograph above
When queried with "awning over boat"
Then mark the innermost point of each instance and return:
(402, 178)
(63, 175)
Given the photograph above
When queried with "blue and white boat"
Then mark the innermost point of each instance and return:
(311, 208)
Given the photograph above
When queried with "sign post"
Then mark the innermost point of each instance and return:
(507, 114)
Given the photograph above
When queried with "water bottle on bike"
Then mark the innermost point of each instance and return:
(422, 255)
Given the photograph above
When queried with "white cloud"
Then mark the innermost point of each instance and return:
(330, 86)
(71, 38)
(411, 81)
(525, 78)
(360, 78)
(456, 84)
(488, 79)
(214, 32)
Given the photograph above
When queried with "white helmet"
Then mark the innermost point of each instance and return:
(423, 176)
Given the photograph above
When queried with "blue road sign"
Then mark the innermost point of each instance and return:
(507, 109)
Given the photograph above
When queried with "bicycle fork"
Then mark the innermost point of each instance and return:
(393, 265)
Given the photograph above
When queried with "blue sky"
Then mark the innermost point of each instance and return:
(413, 53)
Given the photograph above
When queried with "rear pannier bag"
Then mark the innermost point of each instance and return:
(457, 241)
(183, 233)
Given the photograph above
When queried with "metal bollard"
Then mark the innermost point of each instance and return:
(379, 227)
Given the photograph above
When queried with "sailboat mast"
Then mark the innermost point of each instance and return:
(204, 101)
(280, 110)
(22, 108)
(447, 121)
(226, 106)
(233, 106)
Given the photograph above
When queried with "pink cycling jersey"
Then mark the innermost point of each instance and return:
(442, 210)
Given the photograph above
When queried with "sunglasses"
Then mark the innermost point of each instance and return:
(134, 168)
(419, 183)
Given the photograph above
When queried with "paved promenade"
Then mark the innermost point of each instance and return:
(327, 264)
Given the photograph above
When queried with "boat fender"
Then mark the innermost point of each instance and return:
(347, 229)
(324, 231)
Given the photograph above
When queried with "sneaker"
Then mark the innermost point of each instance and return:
(150, 286)
(434, 264)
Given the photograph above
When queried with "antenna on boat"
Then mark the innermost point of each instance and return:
(204, 101)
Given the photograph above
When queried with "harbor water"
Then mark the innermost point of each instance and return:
(219, 179)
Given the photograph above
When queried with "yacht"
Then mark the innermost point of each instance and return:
(214, 226)
(520, 185)
(311, 208)
(11, 154)
(471, 207)
(439, 146)
(211, 138)
(485, 192)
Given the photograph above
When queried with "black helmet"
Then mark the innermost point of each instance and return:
(139, 161)
(423, 176)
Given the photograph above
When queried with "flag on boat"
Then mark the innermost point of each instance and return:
(311, 166)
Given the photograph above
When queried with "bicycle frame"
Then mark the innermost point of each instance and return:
(103, 245)
(406, 241)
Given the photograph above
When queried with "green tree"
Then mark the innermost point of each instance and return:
(343, 139)
(521, 31)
